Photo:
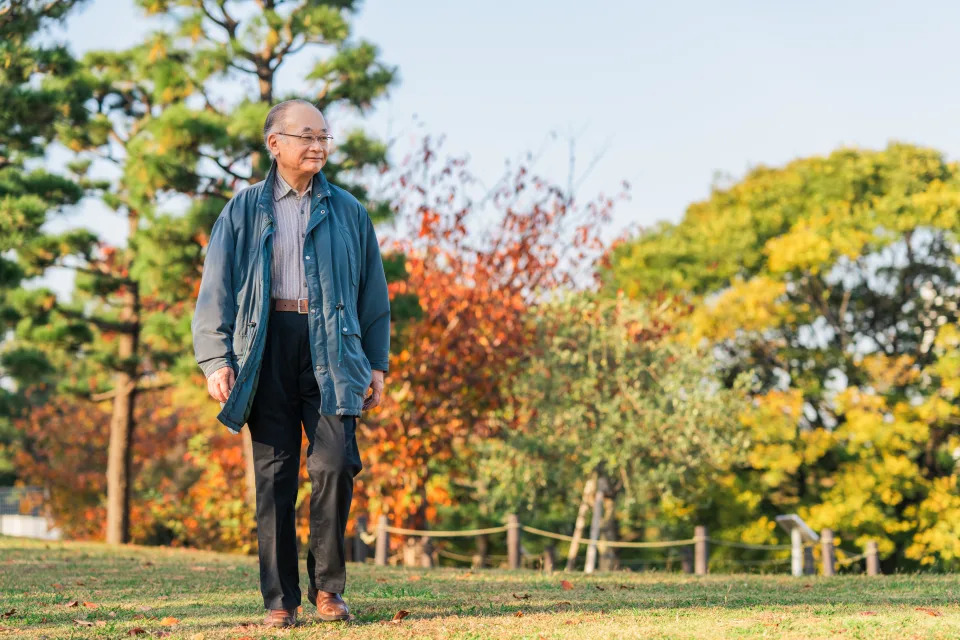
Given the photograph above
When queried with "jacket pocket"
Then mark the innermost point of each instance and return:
(351, 255)
(355, 361)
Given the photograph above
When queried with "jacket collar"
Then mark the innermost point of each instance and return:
(320, 186)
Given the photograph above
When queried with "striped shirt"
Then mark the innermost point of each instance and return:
(286, 266)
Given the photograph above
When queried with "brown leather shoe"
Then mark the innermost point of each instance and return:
(280, 618)
(330, 607)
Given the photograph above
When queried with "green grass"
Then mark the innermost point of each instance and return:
(214, 595)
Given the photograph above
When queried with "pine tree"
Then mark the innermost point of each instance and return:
(179, 148)
(35, 103)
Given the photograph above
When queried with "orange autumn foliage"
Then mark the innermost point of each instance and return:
(187, 471)
(476, 266)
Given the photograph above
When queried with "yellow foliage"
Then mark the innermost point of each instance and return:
(752, 305)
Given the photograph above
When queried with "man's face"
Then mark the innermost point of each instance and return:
(293, 153)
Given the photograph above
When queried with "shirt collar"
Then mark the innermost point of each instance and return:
(281, 188)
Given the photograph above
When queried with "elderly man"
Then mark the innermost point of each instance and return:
(292, 327)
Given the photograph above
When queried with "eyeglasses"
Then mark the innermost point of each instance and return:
(323, 140)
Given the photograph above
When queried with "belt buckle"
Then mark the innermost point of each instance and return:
(302, 305)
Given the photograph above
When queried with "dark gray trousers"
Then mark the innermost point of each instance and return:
(287, 396)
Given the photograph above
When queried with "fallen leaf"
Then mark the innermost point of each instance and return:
(599, 588)
(400, 615)
(162, 634)
(73, 603)
(381, 580)
(148, 564)
(57, 585)
(566, 584)
(626, 586)
(144, 607)
(9, 613)
(197, 636)
(518, 614)
(868, 613)
(90, 605)
(83, 623)
(200, 568)
(169, 621)
(930, 612)
(79, 582)
(136, 631)
(414, 578)
(564, 602)
(525, 596)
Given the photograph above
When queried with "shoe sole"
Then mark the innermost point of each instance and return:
(280, 624)
(342, 616)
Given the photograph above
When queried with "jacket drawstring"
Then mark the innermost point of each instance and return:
(339, 335)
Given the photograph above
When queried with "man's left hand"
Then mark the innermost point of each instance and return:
(376, 385)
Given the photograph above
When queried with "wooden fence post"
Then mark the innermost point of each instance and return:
(383, 542)
(828, 552)
(700, 552)
(549, 558)
(686, 559)
(796, 552)
(513, 541)
(426, 552)
(360, 548)
(873, 559)
(479, 559)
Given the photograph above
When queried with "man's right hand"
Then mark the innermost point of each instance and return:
(220, 383)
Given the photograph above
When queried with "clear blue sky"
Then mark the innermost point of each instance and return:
(669, 92)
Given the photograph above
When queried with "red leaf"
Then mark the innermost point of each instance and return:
(566, 584)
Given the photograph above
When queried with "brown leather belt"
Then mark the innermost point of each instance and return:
(299, 305)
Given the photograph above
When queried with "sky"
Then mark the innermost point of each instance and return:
(665, 95)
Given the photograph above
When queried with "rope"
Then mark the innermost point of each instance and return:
(586, 541)
(609, 543)
(455, 556)
(852, 559)
(446, 534)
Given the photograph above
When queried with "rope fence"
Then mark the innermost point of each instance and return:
(803, 543)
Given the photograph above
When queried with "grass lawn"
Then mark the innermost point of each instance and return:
(203, 595)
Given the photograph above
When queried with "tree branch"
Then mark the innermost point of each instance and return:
(100, 323)
(149, 386)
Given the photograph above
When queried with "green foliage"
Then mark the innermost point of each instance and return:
(835, 280)
(34, 106)
(601, 394)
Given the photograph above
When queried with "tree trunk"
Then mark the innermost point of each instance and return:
(120, 451)
(588, 488)
(249, 475)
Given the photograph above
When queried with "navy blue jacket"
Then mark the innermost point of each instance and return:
(349, 307)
